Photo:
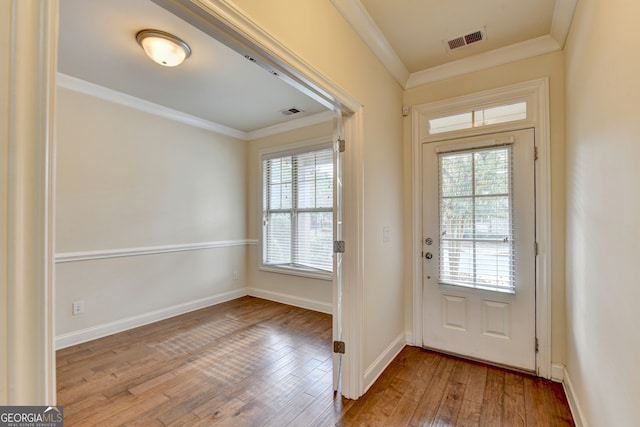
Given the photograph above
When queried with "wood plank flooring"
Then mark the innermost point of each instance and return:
(251, 362)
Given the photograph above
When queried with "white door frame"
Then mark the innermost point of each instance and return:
(29, 364)
(536, 93)
(28, 36)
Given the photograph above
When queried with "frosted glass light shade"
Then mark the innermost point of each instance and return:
(163, 48)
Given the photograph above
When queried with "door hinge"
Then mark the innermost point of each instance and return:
(535, 248)
(341, 145)
(338, 247)
(339, 347)
(535, 152)
(537, 345)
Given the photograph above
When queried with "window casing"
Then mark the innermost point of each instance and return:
(297, 214)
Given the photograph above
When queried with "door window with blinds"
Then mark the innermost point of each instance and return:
(297, 200)
(476, 218)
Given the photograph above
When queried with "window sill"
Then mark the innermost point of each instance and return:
(298, 271)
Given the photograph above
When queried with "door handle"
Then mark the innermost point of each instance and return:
(428, 255)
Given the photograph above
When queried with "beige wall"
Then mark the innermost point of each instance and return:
(552, 66)
(5, 43)
(603, 211)
(316, 32)
(127, 179)
(5, 37)
(301, 290)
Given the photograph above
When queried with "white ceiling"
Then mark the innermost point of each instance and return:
(216, 84)
(408, 35)
(416, 29)
(97, 44)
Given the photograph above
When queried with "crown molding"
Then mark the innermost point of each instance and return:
(562, 18)
(101, 92)
(357, 16)
(92, 89)
(314, 119)
(364, 25)
(511, 53)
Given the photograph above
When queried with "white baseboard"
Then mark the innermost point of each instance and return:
(372, 373)
(88, 334)
(557, 372)
(99, 331)
(574, 405)
(307, 303)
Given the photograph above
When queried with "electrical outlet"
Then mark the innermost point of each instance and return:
(77, 308)
(235, 275)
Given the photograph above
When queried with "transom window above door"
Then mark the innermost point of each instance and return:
(478, 118)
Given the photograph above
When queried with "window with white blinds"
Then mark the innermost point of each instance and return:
(298, 210)
(476, 218)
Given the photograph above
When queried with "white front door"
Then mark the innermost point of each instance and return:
(479, 248)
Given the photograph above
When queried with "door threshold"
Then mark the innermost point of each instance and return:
(482, 361)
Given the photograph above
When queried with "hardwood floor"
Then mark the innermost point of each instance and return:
(251, 362)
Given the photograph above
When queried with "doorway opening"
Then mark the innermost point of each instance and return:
(455, 122)
(286, 67)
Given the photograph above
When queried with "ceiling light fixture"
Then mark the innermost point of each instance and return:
(163, 48)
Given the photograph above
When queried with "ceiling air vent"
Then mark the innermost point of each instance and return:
(466, 40)
(291, 111)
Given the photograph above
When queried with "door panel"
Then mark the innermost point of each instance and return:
(478, 241)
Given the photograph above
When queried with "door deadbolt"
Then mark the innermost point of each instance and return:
(428, 241)
(428, 255)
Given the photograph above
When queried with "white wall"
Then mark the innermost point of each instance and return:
(315, 31)
(551, 66)
(603, 211)
(301, 291)
(128, 180)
